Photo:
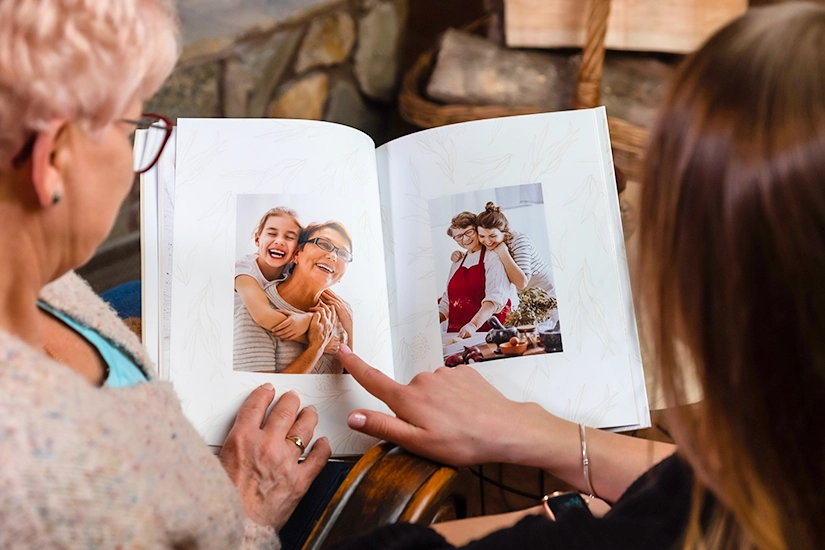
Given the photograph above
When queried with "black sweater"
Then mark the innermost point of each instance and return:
(651, 514)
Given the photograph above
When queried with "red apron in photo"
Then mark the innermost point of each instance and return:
(466, 292)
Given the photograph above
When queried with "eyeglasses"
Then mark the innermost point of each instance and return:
(157, 131)
(327, 246)
(466, 235)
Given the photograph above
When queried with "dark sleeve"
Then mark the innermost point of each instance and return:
(651, 514)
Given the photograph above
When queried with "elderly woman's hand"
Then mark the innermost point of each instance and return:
(263, 463)
(322, 326)
(456, 256)
(467, 330)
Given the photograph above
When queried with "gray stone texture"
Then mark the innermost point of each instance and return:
(302, 99)
(210, 19)
(376, 58)
(472, 70)
(328, 41)
(253, 72)
(346, 106)
(191, 92)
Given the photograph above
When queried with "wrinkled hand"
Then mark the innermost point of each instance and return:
(322, 325)
(342, 308)
(467, 330)
(295, 325)
(263, 464)
(451, 415)
(456, 256)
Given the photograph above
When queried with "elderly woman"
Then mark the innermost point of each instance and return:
(732, 249)
(95, 453)
(477, 286)
(324, 252)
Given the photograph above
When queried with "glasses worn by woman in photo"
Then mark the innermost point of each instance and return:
(468, 234)
(327, 246)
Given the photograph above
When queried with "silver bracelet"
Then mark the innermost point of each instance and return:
(588, 484)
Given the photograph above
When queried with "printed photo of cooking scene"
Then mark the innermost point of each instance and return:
(493, 269)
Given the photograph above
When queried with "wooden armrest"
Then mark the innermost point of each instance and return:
(387, 485)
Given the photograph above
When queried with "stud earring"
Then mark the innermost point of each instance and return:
(57, 196)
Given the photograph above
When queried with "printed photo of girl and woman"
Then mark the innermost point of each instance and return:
(291, 252)
(493, 267)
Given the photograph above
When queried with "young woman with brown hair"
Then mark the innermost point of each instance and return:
(732, 264)
(524, 265)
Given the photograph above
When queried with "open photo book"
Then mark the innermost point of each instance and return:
(267, 243)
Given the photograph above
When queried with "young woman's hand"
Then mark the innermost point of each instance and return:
(452, 415)
(263, 464)
(500, 249)
(456, 256)
(294, 326)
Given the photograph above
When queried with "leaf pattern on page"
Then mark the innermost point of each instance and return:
(363, 247)
(290, 130)
(193, 165)
(495, 128)
(418, 204)
(587, 312)
(493, 168)
(350, 442)
(438, 144)
(593, 416)
(203, 333)
(338, 175)
(590, 194)
(543, 158)
(278, 176)
(559, 260)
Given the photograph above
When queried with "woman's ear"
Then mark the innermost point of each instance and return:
(47, 176)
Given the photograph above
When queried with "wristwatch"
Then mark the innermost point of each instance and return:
(558, 504)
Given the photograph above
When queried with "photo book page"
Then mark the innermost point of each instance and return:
(494, 243)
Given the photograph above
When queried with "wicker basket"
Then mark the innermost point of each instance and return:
(628, 140)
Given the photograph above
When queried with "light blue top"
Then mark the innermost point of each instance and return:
(123, 372)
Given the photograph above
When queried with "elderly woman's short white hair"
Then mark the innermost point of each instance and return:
(85, 60)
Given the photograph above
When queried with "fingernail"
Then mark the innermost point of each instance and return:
(268, 386)
(344, 350)
(311, 407)
(356, 420)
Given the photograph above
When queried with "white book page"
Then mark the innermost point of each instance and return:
(228, 172)
(554, 172)
(166, 207)
(149, 258)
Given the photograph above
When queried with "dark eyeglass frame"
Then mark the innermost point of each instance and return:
(342, 253)
(466, 234)
(28, 147)
(167, 129)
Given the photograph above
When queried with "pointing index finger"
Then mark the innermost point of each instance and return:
(373, 380)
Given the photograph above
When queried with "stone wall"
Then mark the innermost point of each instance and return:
(335, 61)
(312, 59)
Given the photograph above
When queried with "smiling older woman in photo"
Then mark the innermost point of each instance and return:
(324, 252)
(477, 285)
(94, 452)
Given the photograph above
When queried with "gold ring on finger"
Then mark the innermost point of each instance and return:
(298, 442)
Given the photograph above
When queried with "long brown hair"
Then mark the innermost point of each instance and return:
(732, 275)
